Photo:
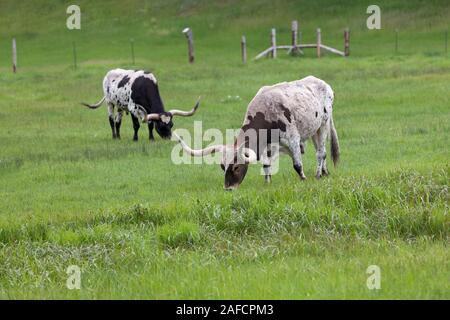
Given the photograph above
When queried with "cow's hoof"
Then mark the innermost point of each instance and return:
(303, 177)
(135, 139)
(318, 176)
(268, 179)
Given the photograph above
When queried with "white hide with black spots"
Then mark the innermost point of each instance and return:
(117, 90)
(309, 101)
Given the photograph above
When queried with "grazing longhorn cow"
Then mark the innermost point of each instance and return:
(137, 92)
(295, 111)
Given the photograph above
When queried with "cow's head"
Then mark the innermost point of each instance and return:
(164, 125)
(234, 162)
(163, 121)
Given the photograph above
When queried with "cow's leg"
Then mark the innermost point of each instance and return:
(325, 171)
(150, 130)
(136, 114)
(111, 119)
(267, 164)
(118, 123)
(269, 160)
(267, 173)
(296, 154)
(136, 127)
(319, 140)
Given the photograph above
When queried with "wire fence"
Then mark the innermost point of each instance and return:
(391, 42)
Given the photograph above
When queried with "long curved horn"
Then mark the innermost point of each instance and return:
(247, 155)
(199, 152)
(176, 112)
(148, 117)
(152, 116)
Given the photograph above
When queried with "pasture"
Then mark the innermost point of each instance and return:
(140, 226)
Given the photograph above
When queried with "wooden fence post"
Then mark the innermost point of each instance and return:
(74, 47)
(14, 55)
(294, 39)
(244, 49)
(347, 42)
(319, 42)
(273, 42)
(190, 38)
(132, 51)
(294, 29)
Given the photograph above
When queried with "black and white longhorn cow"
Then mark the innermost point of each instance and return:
(291, 112)
(136, 91)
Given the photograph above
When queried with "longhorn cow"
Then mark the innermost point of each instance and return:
(137, 92)
(283, 115)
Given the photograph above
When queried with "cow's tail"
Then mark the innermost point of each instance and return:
(94, 106)
(334, 143)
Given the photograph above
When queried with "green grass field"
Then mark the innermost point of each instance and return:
(141, 227)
